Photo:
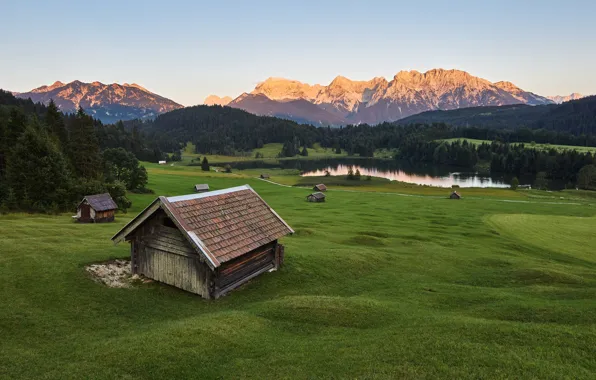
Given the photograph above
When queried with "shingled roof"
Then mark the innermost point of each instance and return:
(221, 224)
(100, 202)
(317, 195)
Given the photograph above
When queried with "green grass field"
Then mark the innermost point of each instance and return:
(269, 153)
(376, 284)
(582, 149)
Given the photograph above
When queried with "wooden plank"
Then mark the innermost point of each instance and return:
(180, 271)
(165, 230)
(170, 240)
(133, 224)
(229, 287)
(167, 247)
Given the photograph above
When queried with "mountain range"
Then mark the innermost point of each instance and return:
(345, 101)
(106, 102)
(574, 116)
(561, 99)
(342, 102)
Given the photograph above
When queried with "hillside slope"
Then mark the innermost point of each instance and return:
(577, 117)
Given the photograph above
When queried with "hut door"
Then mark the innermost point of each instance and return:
(85, 212)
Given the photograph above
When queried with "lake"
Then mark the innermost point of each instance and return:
(391, 169)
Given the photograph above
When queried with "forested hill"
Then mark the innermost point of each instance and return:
(49, 160)
(577, 117)
(223, 130)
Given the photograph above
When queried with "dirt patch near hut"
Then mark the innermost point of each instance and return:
(114, 274)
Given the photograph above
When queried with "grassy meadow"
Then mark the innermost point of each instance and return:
(383, 281)
(269, 152)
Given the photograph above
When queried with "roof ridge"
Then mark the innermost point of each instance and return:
(213, 193)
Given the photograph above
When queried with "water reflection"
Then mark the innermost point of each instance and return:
(457, 178)
(391, 169)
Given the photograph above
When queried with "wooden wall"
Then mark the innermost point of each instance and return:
(162, 253)
(94, 216)
(104, 216)
(238, 271)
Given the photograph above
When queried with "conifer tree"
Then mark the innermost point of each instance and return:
(56, 125)
(514, 183)
(37, 172)
(205, 164)
(350, 173)
(84, 149)
(17, 124)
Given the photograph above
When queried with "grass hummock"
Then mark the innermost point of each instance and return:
(383, 280)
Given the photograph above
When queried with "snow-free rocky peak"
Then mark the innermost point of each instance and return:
(212, 100)
(106, 102)
(378, 100)
(560, 99)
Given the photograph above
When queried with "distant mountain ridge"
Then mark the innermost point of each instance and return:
(345, 101)
(213, 100)
(106, 102)
(561, 99)
(575, 116)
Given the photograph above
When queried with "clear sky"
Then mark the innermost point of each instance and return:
(186, 50)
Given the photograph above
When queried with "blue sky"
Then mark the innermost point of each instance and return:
(186, 50)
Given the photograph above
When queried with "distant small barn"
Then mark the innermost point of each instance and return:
(264, 176)
(208, 243)
(162, 162)
(316, 197)
(96, 208)
(320, 187)
(455, 195)
(201, 188)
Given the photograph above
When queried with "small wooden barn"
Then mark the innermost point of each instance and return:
(455, 195)
(320, 187)
(207, 243)
(96, 208)
(316, 197)
(201, 188)
(264, 176)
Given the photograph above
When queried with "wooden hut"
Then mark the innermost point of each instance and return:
(201, 188)
(455, 195)
(96, 208)
(207, 243)
(316, 197)
(320, 187)
(264, 176)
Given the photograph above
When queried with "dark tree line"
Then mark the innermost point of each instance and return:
(576, 117)
(49, 161)
(224, 130)
(521, 160)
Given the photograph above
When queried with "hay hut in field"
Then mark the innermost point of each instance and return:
(264, 176)
(320, 187)
(455, 195)
(201, 188)
(207, 243)
(316, 197)
(96, 208)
